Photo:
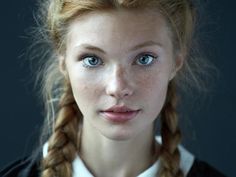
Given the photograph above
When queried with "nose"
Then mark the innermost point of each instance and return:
(119, 85)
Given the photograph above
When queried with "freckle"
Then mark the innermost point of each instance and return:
(146, 81)
(84, 87)
(96, 90)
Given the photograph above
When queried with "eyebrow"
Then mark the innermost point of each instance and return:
(91, 47)
(145, 44)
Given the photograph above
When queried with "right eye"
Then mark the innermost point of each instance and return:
(91, 61)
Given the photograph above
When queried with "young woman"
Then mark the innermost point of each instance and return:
(113, 72)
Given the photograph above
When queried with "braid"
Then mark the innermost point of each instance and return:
(171, 136)
(63, 143)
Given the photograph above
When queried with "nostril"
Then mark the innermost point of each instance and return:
(120, 93)
(126, 93)
(119, 87)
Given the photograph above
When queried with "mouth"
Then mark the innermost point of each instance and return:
(119, 114)
(120, 109)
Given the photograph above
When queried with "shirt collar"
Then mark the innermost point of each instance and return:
(80, 170)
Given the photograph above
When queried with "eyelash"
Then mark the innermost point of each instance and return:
(83, 57)
(154, 58)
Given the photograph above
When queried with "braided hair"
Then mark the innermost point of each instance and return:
(64, 141)
(171, 136)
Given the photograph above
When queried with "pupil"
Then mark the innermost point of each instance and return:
(144, 59)
(93, 61)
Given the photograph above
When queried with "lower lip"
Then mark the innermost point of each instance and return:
(120, 117)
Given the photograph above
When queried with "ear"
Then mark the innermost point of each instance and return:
(62, 65)
(179, 60)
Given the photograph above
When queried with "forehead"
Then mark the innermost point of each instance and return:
(119, 27)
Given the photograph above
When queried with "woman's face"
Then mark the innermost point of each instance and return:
(119, 58)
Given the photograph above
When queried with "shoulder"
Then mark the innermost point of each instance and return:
(203, 169)
(24, 167)
(192, 166)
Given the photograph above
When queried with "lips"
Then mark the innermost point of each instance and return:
(119, 114)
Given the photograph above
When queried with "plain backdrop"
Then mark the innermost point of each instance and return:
(211, 124)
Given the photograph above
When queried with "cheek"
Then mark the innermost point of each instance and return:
(85, 89)
(83, 86)
(152, 90)
(152, 83)
(85, 93)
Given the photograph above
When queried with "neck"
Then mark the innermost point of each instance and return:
(108, 157)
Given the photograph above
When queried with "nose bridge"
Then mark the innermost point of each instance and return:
(119, 82)
(120, 74)
(119, 77)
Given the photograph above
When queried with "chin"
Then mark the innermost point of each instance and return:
(119, 135)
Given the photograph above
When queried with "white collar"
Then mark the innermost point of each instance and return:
(80, 170)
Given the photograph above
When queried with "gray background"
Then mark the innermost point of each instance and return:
(211, 124)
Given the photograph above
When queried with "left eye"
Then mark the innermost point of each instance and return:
(91, 61)
(145, 59)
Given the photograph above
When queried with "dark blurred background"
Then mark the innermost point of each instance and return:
(211, 123)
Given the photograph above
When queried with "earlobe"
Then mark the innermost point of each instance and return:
(179, 60)
(62, 66)
(172, 75)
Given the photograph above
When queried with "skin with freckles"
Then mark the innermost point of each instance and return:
(119, 58)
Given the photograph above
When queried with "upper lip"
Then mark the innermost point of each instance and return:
(119, 109)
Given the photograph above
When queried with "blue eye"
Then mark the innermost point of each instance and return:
(91, 61)
(145, 59)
